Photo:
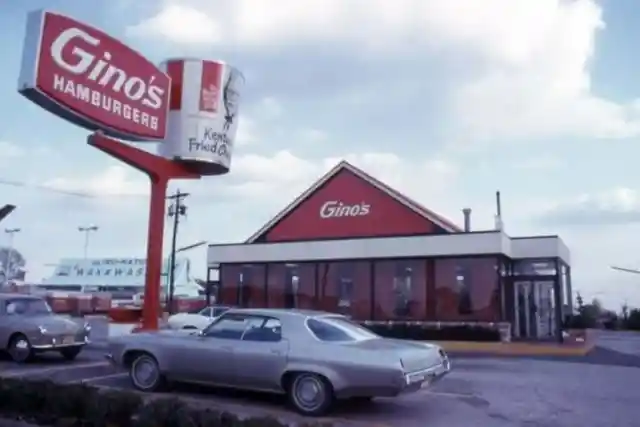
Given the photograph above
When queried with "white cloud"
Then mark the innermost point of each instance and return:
(529, 73)
(271, 108)
(116, 180)
(619, 205)
(180, 24)
(9, 150)
(313, 135)
(538, 163)
(247, 132)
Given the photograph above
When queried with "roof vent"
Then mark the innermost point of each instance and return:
(467, 219)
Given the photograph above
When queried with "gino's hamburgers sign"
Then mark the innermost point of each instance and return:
(83, 75)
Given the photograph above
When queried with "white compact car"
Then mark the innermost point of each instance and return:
(199, 320)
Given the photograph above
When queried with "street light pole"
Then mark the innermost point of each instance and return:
(87, 230)
(7, 264)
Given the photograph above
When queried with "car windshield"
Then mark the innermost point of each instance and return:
(338, 329)
(27, 307)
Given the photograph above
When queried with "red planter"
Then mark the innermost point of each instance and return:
(125, 314)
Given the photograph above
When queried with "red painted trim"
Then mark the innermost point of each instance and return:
(175, 70)
(160, 171)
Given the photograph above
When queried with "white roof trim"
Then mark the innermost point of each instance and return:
(405, 201)
(435, 245)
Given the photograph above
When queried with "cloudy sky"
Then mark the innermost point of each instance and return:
(448, 101)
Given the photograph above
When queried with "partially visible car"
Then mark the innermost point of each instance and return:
(198, 320)
(28, 326)
(312, 357)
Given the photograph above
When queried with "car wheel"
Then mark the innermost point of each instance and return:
(20, 349)
(145, 373)
(70, 353)
(310, 394)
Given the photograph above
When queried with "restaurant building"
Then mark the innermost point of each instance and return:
(353, 245)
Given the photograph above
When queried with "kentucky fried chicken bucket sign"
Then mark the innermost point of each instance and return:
(81, 74)
(203, 113)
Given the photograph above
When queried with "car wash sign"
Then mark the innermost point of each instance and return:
(83, 75)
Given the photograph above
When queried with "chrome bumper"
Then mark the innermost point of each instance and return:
(53, 344)
(426, 377)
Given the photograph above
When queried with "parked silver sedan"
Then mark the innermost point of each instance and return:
(28, 326)
(313, 357)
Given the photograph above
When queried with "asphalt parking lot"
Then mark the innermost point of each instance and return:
(492, 392)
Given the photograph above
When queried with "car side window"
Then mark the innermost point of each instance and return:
(217, 311)
(206, 312)
(324, 331)
(263, 329)
(229, 326)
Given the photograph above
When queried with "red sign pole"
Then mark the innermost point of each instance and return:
(160, 171)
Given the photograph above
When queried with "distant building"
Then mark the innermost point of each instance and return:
(122, 277)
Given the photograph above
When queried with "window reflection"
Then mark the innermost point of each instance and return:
(291, 285)
(344, 287)
(534, 267)
(241, 285)
(467, 289)
(400, 289)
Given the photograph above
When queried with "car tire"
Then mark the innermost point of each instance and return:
(19, 349)
(70, 353)
(361, 400)
(310, 394)
(145, 374)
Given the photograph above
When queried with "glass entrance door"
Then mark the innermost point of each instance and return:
(546, 313)
(534, 309)
(525, 316)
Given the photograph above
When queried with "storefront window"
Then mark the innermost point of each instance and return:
(291, 285)
(467, 289)
(344, 287)
(400, 290)
(242, 285)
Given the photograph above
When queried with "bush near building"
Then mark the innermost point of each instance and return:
(433, 332)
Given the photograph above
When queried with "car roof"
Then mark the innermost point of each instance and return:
(280, 312)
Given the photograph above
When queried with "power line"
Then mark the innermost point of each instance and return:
(176, 210)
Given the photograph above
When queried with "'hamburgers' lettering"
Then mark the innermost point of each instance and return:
(67, 53)
(338, 209)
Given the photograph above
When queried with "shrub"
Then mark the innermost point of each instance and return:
(48, 403)
(633, 320)
(423, 332)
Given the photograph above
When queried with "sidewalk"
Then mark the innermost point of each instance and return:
(516, 348)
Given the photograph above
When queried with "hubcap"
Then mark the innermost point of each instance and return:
(309, 393)
(144, 372)
(22, 345)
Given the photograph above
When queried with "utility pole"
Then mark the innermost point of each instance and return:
(7, 264)
(87, 231)
(176, 210)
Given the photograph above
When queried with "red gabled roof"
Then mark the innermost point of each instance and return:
(429, 215)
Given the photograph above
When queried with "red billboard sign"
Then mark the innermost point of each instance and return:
(81, 74)
(348, 206)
